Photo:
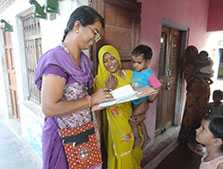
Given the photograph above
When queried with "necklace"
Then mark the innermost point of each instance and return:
(65, 48)
(68, 52)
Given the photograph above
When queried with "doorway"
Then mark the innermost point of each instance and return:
(10, 64)
(170, 74)
(122, 26)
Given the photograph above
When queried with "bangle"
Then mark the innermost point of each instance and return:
(89, 101)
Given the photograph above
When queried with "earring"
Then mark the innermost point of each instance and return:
(77, 31)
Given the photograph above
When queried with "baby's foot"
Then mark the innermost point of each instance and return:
(146, 141)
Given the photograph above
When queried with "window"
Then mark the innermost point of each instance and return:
(4, 4)
(33, 49)
(220, 68)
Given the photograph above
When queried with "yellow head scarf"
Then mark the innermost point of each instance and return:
(103, 74)
(116, 126)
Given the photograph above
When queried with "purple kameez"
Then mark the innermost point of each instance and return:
(58, 62)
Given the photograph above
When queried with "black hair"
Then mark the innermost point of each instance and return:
(143, 50)
(218, 93)
(190, 53)
(86, 16)
(216, 127)
(203, 53)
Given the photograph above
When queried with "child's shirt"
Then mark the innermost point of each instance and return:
(142, 79)
(215, 110)
(213, 164)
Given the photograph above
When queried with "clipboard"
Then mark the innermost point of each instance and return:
(127, 93)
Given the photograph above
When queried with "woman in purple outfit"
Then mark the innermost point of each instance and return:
(63, 75)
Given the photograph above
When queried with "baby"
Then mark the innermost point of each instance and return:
(142, 76)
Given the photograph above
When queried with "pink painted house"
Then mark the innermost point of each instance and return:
(167, 26)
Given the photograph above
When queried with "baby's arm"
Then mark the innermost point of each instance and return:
(155, 83)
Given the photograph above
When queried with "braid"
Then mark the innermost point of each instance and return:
(65, 34)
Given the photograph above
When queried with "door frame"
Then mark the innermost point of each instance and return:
(12, 112)
(5, 77)
(180, 84)
(100, 8)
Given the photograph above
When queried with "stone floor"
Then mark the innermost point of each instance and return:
(163, 144)
(180, 158)
(14, 154)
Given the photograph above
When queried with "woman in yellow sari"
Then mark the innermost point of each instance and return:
(118, 133)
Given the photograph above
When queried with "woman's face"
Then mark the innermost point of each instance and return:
(90, 34)
(111, 63)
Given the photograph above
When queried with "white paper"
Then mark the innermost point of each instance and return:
(126, 94)
(120, 95)
(123, 92)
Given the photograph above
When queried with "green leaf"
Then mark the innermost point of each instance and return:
(7, 26)
(39, 10)
(52, 6)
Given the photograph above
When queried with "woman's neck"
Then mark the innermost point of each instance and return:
(213, 152)
(74, 50)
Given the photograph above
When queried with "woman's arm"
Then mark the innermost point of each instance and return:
(52, 94)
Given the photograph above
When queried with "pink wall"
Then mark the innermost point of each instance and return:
(183, 13)
(215, 22)
(190, 14)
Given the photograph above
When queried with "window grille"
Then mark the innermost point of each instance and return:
(33, 50)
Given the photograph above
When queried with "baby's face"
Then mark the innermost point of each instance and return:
(139, 63)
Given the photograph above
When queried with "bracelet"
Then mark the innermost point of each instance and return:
(89, 99)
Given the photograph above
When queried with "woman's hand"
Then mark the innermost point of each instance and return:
(100, 96)
(111, 82)
(96, 108)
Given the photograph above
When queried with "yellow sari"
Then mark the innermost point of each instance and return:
(119, 136)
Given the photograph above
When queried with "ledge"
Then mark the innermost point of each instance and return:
(162, 146)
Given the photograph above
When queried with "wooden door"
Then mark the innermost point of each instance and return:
(220, 68)
(168, 73)
(122, 21)
(11, 74)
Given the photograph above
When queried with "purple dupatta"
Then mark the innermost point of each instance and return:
(59, 57)
(53, 152)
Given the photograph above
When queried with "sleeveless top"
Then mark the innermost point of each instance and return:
(212, 164)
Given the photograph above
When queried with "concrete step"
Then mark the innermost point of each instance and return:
(14, 153)
(161, 147)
